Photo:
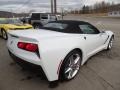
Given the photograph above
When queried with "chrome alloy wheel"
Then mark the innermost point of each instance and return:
(4, 34)
(110, 43)
(72, 66)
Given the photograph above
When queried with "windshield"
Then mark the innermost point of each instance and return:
(10, 21)
(60, 27)
(14, 21)
(2, 21)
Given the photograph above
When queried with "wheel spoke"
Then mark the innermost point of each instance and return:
(68, 70)
(69, 75)
(76, 60)
(71, 60)
(74, 73)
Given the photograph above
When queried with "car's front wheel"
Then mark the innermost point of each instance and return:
(4, 34)
(110, 45)
(71, 65)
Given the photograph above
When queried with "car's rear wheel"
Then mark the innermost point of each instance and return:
(71, 65)
(4, 34)
(110, 45)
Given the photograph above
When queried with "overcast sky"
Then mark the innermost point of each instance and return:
(44, 5)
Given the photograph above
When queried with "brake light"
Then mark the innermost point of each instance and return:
(28, 46)
(31, 47)
(21, 45)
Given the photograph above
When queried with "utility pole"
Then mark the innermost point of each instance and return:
(62, 12)
(52, 6)
(55, 7)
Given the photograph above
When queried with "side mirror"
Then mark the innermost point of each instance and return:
(102, 31)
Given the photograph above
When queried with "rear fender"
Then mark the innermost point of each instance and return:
(55, 53)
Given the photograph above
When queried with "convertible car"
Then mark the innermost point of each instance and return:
(11, 24)
(59, 48)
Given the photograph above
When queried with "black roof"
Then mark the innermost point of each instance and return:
(72, 27)
(71, 22)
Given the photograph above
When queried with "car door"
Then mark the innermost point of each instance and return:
(93, 40)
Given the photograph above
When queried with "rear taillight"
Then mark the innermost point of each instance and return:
(28, 46)
(31, 47)
(21, 45)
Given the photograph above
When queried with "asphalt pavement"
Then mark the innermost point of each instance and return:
(101, 72)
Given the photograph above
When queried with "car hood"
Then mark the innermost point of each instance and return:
(41, 33)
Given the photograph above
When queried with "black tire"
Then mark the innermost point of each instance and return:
(62, 74)
(110, 43)
(4, 34)
(0, 33)
(37, 25)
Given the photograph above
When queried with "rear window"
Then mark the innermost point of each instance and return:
(59, 26)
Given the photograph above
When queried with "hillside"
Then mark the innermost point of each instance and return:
(4, 14)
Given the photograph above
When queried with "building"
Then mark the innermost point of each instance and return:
(114, 11)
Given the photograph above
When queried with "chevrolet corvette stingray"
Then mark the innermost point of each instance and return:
(59, 48)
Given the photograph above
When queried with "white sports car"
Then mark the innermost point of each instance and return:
(59, 48)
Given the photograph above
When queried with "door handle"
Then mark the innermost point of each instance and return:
(85, 38)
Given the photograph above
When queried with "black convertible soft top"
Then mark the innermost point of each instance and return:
(71, 22)
(72, 26)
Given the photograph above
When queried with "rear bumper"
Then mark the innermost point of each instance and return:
(27, 65)
(48, 69)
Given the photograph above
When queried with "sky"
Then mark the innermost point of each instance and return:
(44, 5)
